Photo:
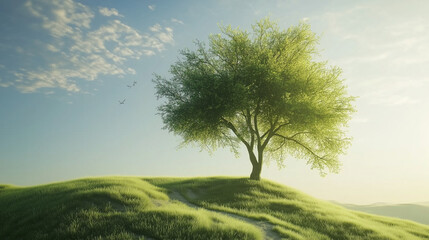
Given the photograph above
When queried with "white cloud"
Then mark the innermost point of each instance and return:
(174, 20)
(78, 52)
(4, 84)
(64, 17)
(109, 12)
(387, 50)
(126, 52)
(156, 28)
(52, 48)
(166, 36)
(46, 79)
(151, 7)
(131, 71)
(149, 52)
(391, 91)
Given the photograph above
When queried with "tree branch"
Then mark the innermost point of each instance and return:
(249, 125)
(302, 145)
(269, 134)
(220, 55)
(298, 133)
(281, 145)
(263, 135)
(280, 126)
(255, 123)
(231, 126)
(272, 124)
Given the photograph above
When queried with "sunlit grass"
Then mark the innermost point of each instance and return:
(296, 215)
(108, 208)
(135, 208)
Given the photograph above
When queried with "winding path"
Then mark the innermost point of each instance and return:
(264, 226)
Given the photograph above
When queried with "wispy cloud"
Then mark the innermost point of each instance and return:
(80, 53)
(391, 91)
(174, 20)
(155, 28)
(390, 45)
(151, 7)
(52, 48)
(4, 84)
(109, 12)
(165, 35)
(61, 17)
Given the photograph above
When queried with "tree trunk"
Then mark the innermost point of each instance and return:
(257, 166)
(256, 172)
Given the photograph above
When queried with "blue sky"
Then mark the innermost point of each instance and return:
(65, 64)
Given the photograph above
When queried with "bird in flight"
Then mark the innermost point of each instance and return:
(122, 102)
(134, 83)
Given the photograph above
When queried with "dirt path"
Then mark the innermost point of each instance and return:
(264, 226)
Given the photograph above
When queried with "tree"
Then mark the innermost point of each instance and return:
(263, 90)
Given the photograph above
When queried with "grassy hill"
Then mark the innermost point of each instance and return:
(184, 208)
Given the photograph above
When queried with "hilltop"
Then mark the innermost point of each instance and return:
(185, 208)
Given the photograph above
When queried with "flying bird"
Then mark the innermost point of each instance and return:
(122, 102)
(134, 83)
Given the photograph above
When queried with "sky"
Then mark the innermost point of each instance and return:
(66, 64)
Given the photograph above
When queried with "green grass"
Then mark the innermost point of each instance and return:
(108, 208)
(296, 215)
(135, 208)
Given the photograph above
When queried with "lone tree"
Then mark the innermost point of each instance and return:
(261, 89)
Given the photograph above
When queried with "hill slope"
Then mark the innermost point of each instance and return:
(414, 212)
(144, 208)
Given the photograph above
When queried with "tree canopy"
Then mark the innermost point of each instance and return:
(262, 89)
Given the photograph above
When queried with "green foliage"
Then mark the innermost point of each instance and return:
(263, 90)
